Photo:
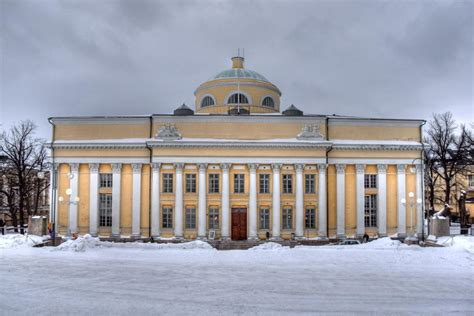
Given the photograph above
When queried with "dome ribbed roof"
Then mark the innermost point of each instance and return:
(240, 73)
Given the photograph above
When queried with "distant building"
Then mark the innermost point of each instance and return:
(238, 167)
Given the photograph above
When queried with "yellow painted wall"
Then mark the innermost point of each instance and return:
(373, 132)
(351, 202)
(84, 196)
(63, 184)
(392, 199)
(332, 200)
(126, 200)
(237, 152)
(145, 200)
(100, 131)
(136, 153)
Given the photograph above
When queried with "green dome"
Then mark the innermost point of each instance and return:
(240, 73)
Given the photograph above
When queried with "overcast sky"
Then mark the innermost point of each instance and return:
(400, 59)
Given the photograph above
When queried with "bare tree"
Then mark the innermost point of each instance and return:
(25, 157)
(448, 155)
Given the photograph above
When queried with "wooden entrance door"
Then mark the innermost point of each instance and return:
(239, 224)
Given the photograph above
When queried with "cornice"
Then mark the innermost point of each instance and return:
(85, 145)
(243, 144)
(380, 147)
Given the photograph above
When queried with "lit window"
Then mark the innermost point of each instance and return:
(190, 218)
(213, 218)
(371, 210)
(268, 102)
(310, 186)
(105, 180)
(105, 209)
(264, 218)
(167, 183)
(167, 217)
(370, 181)
(213, 183)
(190, 183)
(239, 183)
(287, 218)
(310, 218)
(287, 183)
(207, 101)
(264, 183)
(238, 98)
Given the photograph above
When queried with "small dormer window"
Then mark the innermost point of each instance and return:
(207, 101)
(238, 98)
(268, 102)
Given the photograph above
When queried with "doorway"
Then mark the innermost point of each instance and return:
(239, 224)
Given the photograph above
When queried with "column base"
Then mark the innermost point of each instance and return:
(278, 238)
(322, 237)
(178, 238)
(135, 236)
(300, 238)
(341, 236)
(115, 235)
(225, 238)
(382, 235)
(252, 238)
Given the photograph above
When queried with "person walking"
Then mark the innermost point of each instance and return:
(2, 226)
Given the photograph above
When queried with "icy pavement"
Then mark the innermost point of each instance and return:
(383, 277)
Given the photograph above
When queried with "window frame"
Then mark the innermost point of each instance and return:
(370, 181)
(287, 218)
(239, 183)
(207, 97)
(370, 210)
(105, 180)
(241, 99)
(214, 185)
(264, 218)
(470, 180)
(190, 218)
(287, 183)
(272, 102)
(105, 213)
(213, 218)
(310, 218)
(167, 217)
(167, 182)
(310, 184)
(190, 186)
(266, 183)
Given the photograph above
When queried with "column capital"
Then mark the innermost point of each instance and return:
(225, 166)
(322, 167)
(94, 167)
(360, 168)
(276, 166)
(382, 168)
(179, 166)
(401, 168)
(74, 167)
(418, 168)
(136, 167)
(299, 167)
(116, 167)
(156, 166)
(340, 168)
(202, 166)
(253, 166)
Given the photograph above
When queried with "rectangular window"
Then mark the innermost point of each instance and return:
(287, 183)
(264, 218)
(190, 183)
(310, 218)
(371, 210)
(264, 183)
(190, 218)
(239, 183)
(287, 218)
(105, 209)
(167, 217)
(105, 180)
(213, 218)
(310, 186)
(167, 183)
(370, 181)
(214, 183)
(471, 180)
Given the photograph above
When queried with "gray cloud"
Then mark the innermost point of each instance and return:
(362, 58)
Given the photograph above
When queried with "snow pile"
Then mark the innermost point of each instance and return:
(79, 244)
(268, 246)
(381, 243)
(463, 243)
(19, 241)
(196, 244)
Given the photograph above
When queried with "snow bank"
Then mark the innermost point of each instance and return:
(268, 246)
(19, 241)
(381, 243)
(463, 243)
(86, 242)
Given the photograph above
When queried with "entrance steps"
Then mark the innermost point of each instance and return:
(247, 244)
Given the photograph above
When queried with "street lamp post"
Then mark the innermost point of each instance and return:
(411, 204)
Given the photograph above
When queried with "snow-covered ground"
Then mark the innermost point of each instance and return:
(88, 277)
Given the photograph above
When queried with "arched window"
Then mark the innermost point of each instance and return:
(238, 98)
(207, 101)
(268, 102)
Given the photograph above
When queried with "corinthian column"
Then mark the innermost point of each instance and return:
(202, 201)
(401, 194)
(253, 202)
(136, 196)
(299, 231)
(276, 218)
(73, 203)
(116, 190)
(225, 231)
(155, 200)
(382, 200)
(178, 202)
(360, 191)
(323, 210)
(93, 199)
(341, 200)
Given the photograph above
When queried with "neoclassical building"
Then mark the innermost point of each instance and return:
(236, 168)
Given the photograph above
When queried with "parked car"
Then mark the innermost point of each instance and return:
(350, 242)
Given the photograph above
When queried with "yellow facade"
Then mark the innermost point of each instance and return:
(278, 142)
